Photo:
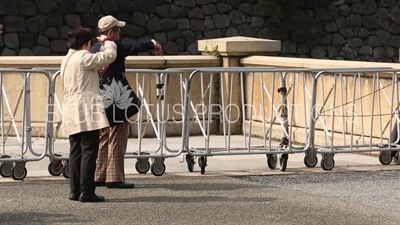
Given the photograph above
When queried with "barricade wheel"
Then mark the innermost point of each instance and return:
(272, 161)
(309, 162)
(142, 166)
(283, 161)
(190, 162)
(202, 164)
(5, 169)
(18, 174)
(157, 169)
(55, 168)
(65, 171)
(327, 164)
(385, 158)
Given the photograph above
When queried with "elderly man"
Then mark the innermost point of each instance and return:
(114, 140)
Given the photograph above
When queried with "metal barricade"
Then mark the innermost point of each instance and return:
(352, 114)
(239, 88)
(160, 104)
(14, 164)
(151, 120)
(58, 160)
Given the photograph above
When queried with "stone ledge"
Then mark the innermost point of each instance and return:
(310, 63)
(137, 62)
(240, 46)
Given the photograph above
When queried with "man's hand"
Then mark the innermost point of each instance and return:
(158, 50)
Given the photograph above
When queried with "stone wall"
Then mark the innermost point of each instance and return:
(366, 30)
(363, 30)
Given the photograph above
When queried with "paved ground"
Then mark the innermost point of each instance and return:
(234, 190)
(320, 198)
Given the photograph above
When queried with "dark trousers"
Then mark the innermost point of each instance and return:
(82, 161)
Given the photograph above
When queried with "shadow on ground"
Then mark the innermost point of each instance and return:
(39, 218)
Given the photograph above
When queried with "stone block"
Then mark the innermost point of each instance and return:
(67, 7)
(153, 25)
(240, 46)
(221, 21)
(146, 6)
(247, 30)
(161, 38)
(7, 52)
(183, 24)
(27, 40)
(51, 33)
(197, 25)
(73, 20)
(185, 3)
(83, 6)
(59, 46)
(209, 10)
(162, 11)
(36, 24)
(173, 35)
(14, 24)
(55, 18)
(177, 12)
(135, 31)
(196, 13)
(127, 6)
(168, 24)
(41, 51)
(25, 52)
(223, 8)
(27, 8)
(110, 7)
(138, 18)
(188, 35)
(237, 17)
(46, 6)
(11, 40)
(9, 8)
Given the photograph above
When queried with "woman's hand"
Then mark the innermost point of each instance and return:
(103, 38)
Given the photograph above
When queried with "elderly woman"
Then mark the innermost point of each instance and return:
(84, 113)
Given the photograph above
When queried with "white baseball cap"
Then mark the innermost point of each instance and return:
(108, 22)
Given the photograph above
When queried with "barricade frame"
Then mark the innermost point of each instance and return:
(271, 154)
(15, 165)
(328, 152)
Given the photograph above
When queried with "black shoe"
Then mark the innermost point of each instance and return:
(99, 184)
(121, 185)
(74, 197)
(91, 198)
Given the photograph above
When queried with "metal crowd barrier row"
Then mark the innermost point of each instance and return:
(347, 124)
(221, 101)
(13, 161)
